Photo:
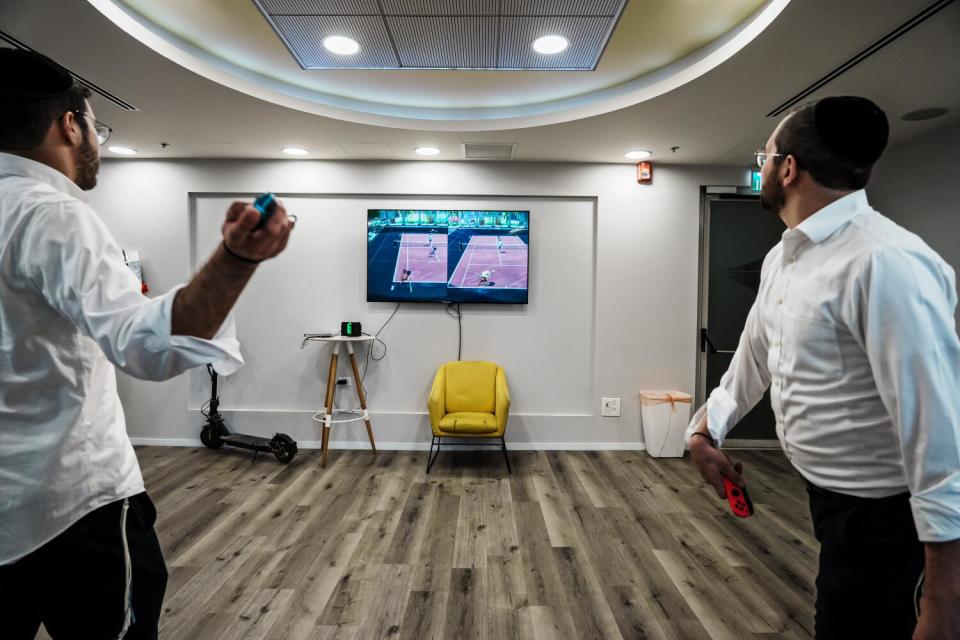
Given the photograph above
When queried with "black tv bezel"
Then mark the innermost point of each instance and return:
(446, 301)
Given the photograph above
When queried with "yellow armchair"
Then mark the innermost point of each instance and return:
(468, 400)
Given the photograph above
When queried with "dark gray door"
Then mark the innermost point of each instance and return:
(737, 234)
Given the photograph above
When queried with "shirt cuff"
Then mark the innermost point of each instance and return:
(222, 351)
(719, 408)
(936, 511)
(694, 422)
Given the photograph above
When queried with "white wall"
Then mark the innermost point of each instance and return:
(644, 305)
(918, 185)
(321, 280)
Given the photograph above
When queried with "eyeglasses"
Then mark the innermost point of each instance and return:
(103, 131)
(762, 157)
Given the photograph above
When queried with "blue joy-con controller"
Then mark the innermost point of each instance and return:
(266, 204)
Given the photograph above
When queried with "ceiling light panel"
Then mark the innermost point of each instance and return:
(440, 7)
(587, 36)
(609, 8)
(320, 7)
(467, 43)
(444, 34)
(305, 35)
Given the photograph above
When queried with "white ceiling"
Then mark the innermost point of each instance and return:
(716, 118)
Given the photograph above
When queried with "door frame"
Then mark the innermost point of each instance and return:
(709, 195)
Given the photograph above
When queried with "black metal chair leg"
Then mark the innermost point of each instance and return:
(431, 457)
(503, 443)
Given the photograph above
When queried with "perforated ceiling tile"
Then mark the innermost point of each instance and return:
(444, 43)
(440, 7)
(561, 7)
(444, 34)
(305, 36)
(587, 36)
(321, 7)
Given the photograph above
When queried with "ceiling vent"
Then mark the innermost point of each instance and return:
(100, 91)
(487, 151)
(444, 34)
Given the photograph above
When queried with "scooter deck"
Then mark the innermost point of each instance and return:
(248, 442)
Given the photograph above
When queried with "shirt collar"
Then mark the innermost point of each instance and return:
(13, 165)
(822, 224)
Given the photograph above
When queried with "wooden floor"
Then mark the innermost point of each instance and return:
(574, 545)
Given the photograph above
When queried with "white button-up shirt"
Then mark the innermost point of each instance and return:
(70, 310)
(853, 331)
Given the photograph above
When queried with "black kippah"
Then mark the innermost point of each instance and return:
(27, 74)
(852, 128)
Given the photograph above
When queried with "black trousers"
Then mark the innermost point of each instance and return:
(870, 565)
(75, 584)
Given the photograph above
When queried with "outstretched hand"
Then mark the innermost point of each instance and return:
(241, 236)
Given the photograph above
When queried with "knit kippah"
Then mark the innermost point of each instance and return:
(27, 74)
(852, 128)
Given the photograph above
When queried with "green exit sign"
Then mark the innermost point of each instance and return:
(755, 181)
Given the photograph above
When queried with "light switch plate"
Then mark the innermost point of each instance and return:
(610, 407)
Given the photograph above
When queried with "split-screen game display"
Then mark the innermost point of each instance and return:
(447, 256)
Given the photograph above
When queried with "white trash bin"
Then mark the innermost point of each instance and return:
(665, 416)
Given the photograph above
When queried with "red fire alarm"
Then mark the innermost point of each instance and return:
(645, 172)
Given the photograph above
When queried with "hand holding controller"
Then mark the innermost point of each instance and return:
(265, 204)
(258, 231)
(739, 499)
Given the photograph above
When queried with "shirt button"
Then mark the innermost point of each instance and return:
(780, 301)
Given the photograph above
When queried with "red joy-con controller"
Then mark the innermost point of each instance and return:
(739, 499)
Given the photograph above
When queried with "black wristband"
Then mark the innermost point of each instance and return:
(240, 258)
(705, 435)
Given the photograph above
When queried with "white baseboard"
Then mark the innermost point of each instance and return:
(419, 446)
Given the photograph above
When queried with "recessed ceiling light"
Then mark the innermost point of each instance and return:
(342, 45)
(427, 151)
(295, 151)
(637, 154)
(550, 44)
(124, 151)
(928, 113)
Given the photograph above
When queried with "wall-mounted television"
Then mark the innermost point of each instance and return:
(421, 255)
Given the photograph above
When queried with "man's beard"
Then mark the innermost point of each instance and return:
(88, 164)
(772, 197)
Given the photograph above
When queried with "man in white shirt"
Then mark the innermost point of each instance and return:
(77, 547)
(853, 331)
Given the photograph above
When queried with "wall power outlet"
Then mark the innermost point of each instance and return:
(610, 407)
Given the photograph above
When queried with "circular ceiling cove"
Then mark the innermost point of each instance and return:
(653, 47)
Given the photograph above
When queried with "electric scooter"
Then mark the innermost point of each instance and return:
(215, 433)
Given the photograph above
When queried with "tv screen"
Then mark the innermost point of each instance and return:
(416, 255)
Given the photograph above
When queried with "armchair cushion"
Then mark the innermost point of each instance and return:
(468, 423)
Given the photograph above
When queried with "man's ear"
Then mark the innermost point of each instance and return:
(69, 129)
(790, 169)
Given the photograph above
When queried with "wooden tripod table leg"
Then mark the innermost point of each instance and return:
(362, 396)
(328, 406)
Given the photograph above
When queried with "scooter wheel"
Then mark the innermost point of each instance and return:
(210, 438)
(284, 447)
